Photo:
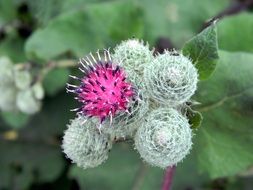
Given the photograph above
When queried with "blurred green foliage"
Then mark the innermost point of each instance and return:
(225, 140)
(44, 30)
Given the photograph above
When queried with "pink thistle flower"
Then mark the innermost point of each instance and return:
(104, 90)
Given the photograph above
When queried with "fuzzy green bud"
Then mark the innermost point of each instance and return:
(7, 86)
(84, 144)
(22, 78)
(8, 98)
(165, 138)
(132, 55)
(171, 79)
(6, 71)
(38, 91)
(27, 103)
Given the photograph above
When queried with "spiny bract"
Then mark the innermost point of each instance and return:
(165, 138)
(104, 90)
(171, 79)
(84, 144)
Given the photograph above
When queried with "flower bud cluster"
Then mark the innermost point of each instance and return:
(84, 144)
(169, 80)
(18, 93)
(156, 88)
(133, 55)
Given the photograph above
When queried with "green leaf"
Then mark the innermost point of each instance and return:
(46, 161)
(195, 118)
(13, 47)
(118, 172)
(77, 4)
(187, 174)
(7, 12)
(46, 10)
(203, 50)
(55, 81)
(12, 177)
(235, 33)
(178, 20)
(225, 141)
(124, 170)
(87, 29)
(15, 120)
(34, 154)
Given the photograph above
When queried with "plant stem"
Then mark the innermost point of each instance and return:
(64, 63)
(168, 176)
(55, 64)
(235, 8)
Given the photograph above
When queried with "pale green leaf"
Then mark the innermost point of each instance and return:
(225, 139)
(203, 50)
(87, 29)
(55, 81)
(15, 120)
(178, 20)
(235, 33)
(118, 172)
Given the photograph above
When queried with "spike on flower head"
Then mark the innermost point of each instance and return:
(104, 90)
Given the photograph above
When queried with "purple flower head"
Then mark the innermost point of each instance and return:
(104, 90)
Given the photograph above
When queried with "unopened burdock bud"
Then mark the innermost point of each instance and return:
(6, 71)
(8, 89)
(165, 138)
(38, 91)
(171, 79)
(133, 55)
(84, 144)
(22, 78)
(8, 95)
(27, 103)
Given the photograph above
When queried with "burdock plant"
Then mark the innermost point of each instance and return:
(113, 104)
(132, 93)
